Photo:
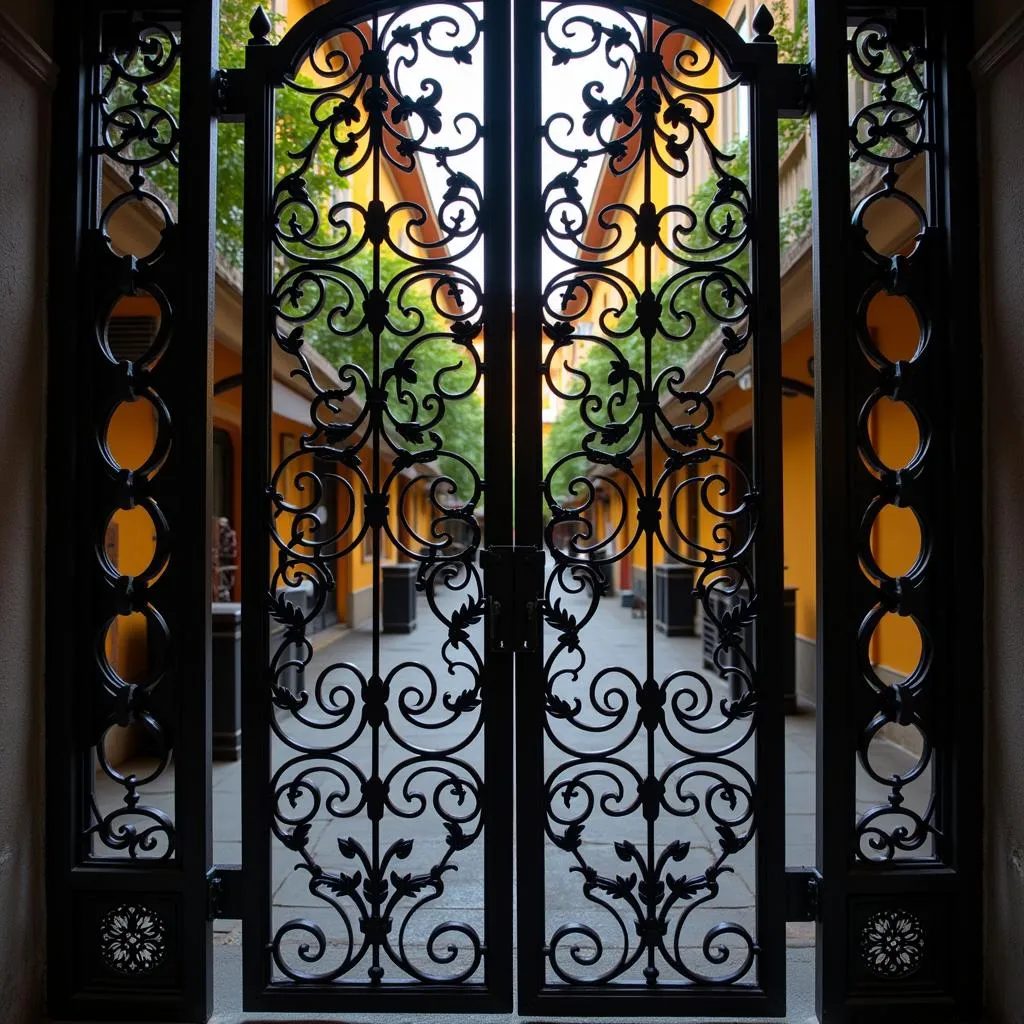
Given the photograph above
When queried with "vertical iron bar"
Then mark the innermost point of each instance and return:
(646, 142)
(256, 421)
(498, 497)
(529, 217)
(834, 454)
(835, 649)
(192, 349)
(768, 655)
(962, 817)
(376, 425)
(69, 760)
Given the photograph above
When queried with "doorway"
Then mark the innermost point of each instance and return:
(539, 797)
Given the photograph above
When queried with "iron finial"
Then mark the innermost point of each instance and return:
(763, 24)
(259, 26)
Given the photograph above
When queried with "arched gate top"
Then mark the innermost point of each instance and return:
(705, 23)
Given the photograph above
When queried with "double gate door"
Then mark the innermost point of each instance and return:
(512, 282)
(511, 410)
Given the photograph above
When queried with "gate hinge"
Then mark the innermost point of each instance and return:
(794, 90)
(514, 584)
(229, 95)
(224, 897)
(803, 894)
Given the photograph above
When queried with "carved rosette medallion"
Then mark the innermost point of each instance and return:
(892, 943)
(132, 939)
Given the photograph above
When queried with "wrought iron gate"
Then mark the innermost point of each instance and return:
(406, 755)
(426, 267)
(402, 764)
(636, 761)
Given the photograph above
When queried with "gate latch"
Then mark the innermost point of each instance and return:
(224, 892)
(229, 95)
(514, 584)
(803, 894)
(794, 90)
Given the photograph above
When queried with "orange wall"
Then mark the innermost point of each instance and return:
(131, 536)
(799, 525)
(896, 536)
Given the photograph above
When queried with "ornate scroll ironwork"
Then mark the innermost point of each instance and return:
(138, 136)
(639, 755)
(890, 131)
(385, 288)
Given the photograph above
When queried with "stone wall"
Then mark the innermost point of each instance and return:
(25, 85)
(999, 71)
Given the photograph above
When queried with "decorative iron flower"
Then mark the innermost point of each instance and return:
(892, 943)
(132, 939)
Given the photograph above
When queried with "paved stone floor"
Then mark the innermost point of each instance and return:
(613, 640)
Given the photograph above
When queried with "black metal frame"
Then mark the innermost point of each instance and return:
(756, 63)
(941, 894)
(266, 69)
(916, 889)
(153, 893)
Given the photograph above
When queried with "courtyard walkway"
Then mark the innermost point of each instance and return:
(614, 637)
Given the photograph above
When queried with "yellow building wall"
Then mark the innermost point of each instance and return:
(896, 536)
(799, 523)
(130, 538)
(131, 535)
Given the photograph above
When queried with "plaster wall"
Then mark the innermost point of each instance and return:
(24, 118)
(1000, 75)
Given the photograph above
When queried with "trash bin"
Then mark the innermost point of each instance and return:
(227, 680)
(674, 604)
(398, 597)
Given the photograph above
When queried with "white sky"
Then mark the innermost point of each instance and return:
(561, 90)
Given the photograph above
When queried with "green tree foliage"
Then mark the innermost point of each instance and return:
(437, 360)
(432, 362)
(602, 366)
(794, 48)
(794, 45)
(292, 126)
(795, 222)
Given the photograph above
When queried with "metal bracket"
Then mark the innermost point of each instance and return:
(794, 90)
(803, 894)
(514, 582)
(224, 892)
(229, 95)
